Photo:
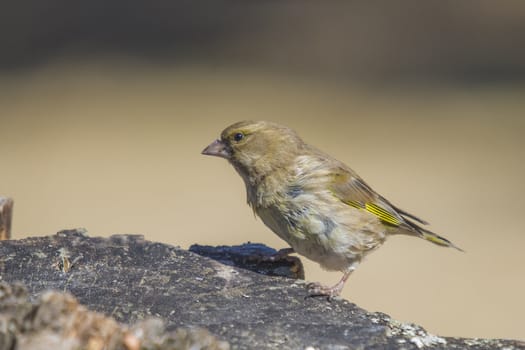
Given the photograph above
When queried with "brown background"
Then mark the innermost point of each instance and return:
(105, 109)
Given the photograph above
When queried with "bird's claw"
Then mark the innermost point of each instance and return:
(318, 290)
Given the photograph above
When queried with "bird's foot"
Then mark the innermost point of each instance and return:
(318, 290)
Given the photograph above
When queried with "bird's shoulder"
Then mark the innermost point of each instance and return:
(315, 166)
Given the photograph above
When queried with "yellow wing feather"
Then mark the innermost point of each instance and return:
(382, 214)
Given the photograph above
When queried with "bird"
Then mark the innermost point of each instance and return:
(317, 204)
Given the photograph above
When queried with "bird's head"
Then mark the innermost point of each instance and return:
(256, 148)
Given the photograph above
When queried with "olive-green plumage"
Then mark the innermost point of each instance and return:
(317, 204)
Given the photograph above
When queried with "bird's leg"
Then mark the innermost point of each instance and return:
(316, 289)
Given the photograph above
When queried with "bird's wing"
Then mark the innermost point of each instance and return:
(348, 187)
(352, 190)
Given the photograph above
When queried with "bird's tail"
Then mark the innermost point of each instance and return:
(413, 229)
(436, 239)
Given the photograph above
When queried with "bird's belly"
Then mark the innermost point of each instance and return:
(319, 238)
(325, 254)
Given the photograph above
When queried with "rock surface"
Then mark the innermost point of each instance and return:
(130, 279)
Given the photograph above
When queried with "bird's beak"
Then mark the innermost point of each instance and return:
(218, 149)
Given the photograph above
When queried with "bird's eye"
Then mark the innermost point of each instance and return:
(238, 136)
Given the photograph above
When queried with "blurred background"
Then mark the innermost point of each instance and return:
(105, 107)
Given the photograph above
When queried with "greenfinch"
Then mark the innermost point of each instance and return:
(315, 203)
